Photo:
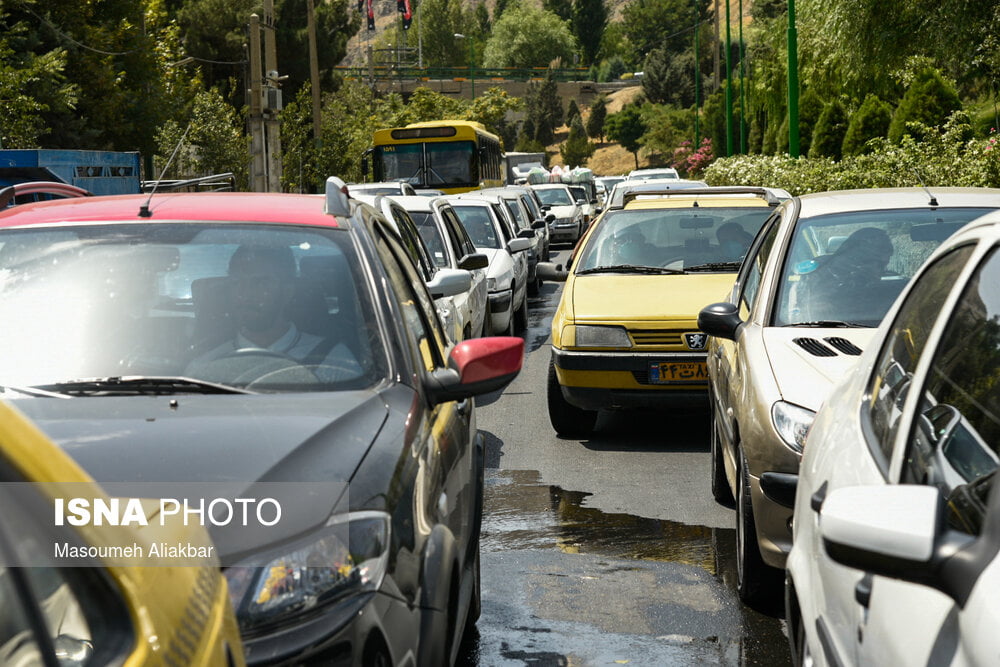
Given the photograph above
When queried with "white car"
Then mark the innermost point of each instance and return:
(656, 172)
(507, 274)
(557, 199)
(444, 284)
(451, 248)
(897, 535)
(381, 188)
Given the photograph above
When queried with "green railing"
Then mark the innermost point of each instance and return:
(485, 74)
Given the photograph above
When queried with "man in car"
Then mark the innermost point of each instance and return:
(733, 241)
(261, 286)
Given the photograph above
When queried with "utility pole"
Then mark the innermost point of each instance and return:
(729, 88)
(697, 81)
(258, 164)
(313, 71)
(793, 82)
(272, 81)
(715, 52)
(743, 99)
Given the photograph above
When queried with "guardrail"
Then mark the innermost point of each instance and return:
(383, 72)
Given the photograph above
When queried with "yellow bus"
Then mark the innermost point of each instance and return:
(448, 155)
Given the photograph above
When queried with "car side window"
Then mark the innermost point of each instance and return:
(754, 268)
(465, 241)
(902, 349)
(413, 243)
(955, 439)
(419, 314)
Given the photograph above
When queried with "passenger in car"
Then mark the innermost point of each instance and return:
(261, 285)
(733, 241)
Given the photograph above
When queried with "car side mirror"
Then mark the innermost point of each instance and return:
(473, 261)
(551, 272)
(518, 245)
(551, 217)
(721, 320)
(526, 233)
(449, 282)
(594, 201)
(546, 207)
(580, 202)
(476, 366)
(539, 224)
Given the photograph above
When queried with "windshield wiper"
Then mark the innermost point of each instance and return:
(138, 384)
(629, 268)
(714, 266)
(830, 324)
(32, 391)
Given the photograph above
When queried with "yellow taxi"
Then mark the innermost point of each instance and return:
(96, 613)
(625, 333)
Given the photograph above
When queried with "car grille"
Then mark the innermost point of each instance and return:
(844, 345)
(187, 636)
(642, 337)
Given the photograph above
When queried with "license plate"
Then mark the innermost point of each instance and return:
(666, 372)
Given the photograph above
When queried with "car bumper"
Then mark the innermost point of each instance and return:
(338, 637)
(499, 310)
(571, 232)
(773, 496)
(596, 380)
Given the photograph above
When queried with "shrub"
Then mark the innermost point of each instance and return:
(870, 121)
(828, 137)
(928, 101)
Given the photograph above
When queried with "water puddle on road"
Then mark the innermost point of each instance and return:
(522, 513)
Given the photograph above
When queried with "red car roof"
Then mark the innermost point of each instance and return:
(187, 206)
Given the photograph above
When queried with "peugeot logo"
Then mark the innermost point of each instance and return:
(696, 341)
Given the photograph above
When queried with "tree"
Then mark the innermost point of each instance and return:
(491, 108)
(598, 113)
(528, 37)
(929, 100)
(577, 149)
(810, 107)
(645, 21)
(871, 120)
(543, 107)
(627, 127)
(669, 79)
(561, 8)
(441, 20)
(589, 20)
(572, 111)
(828, 137)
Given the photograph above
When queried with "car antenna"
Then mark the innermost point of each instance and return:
(933, 200)
(144, 211)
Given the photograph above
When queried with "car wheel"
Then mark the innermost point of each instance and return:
(534, 286)
(721, 490)
(487, 326)
(476, 603)
(759, 585)
(521, 316)
(568, 420)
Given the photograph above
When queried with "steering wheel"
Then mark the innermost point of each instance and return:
(252, 366)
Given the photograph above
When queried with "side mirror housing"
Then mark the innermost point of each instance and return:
(721, 320)
(551, 272)
(476, 366)
(473, 261)
(449, 282)
(539, 224)
(518, 245)
(526, 234)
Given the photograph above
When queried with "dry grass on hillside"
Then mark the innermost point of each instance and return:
(609, 159)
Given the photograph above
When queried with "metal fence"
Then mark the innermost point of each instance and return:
(486, 74)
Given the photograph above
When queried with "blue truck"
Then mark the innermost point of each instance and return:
(97, 172)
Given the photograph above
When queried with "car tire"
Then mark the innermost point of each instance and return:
(758, 585)
(721, 490)
(476, 602)
(567, 420)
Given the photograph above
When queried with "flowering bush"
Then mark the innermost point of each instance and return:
(944, 156)
(691, 163)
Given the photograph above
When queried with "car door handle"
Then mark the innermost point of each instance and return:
(816, 500)
(863, 590)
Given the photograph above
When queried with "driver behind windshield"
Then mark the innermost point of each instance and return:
(261, 286)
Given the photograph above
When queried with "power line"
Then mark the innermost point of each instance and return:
(66, 37)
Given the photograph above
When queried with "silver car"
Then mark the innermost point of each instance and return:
(817, 281)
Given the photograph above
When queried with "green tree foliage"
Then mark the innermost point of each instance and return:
(713, 120)
(810, 107)
(561, 8)
(649, 24)
(544, 108)
(215, 142)
(528, 37)
(928, 100)
(588, 20)
(831, 127)
(577, 149)
(667, 127)
(627, 127)
(870, 121)
(572, 111)
(491, 109)
(611, 69)
(598, 114)
(441, 20)
(669, 79)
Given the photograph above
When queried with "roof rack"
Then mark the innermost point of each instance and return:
(772, 196)
(225, 182)
(9, 194)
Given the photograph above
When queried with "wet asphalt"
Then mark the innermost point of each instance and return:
(609, 550)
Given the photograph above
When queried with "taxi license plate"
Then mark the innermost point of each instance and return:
(667, 372)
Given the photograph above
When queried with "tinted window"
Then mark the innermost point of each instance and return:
(955, 438)
(554, 196)
(851, 266)
(903, 346)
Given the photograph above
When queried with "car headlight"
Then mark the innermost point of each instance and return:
(792, 423)
(349, 557)
(601, 336)
(491, 284)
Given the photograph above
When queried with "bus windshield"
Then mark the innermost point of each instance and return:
(438, 164)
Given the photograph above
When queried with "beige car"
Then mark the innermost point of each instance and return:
(817, 280)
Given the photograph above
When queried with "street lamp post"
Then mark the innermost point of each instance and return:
(472, 61)
(793, 83)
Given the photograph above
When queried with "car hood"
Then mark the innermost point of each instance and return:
(617, 297)
(500, 263)
(565, 211)
(803, 376)
(230, 439)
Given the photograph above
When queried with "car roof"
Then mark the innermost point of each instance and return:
(717, 201)
(545, 186)
(841, 201)
(623, 194)
(266, 207)
(416, 202)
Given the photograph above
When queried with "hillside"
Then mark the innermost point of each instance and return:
(609, 159)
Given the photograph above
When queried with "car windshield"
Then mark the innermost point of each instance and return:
(431, 235)
(709, 239)
(430, 165)
(579, 192)
(265, 308)
(554, 196)
(477, 222)
(850, 267)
